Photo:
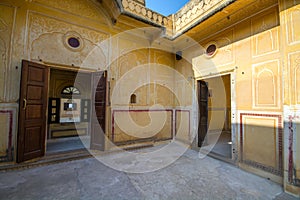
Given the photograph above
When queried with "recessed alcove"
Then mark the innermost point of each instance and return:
(133, 99)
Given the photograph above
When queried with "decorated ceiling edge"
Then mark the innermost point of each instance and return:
(172, 29)
(201, 18)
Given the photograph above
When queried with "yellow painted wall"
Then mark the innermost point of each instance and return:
(4, 123)
(149, 86)
(250, 51)
(243, 46)
(7, 16)
(60, 79)
(261, 52)
(289, 20)
(219, 103)
(145, 126)
(297, 152)
(38, 31)
(186, 111)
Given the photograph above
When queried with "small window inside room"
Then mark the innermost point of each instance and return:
(70, 90)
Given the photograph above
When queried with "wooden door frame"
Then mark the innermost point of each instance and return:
(91, 72)
(20, 141)
(93, 126)
(200, 123)
(234, 145)
(46, 124)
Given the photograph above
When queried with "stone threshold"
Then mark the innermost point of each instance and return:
(65, 156)
(48, 159)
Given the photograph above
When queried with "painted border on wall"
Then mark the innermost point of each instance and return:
(277, 171)
(180, 110)
(9, 153)
(292, 178)
(140, 110)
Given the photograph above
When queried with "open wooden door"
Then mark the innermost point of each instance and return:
(32, 111)
(98, 110)
(203, 111)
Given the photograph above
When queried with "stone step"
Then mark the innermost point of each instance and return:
(133, 146)
(48, 159)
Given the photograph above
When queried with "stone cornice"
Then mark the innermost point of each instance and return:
(196, 11)
(136, 10)
(193, 13)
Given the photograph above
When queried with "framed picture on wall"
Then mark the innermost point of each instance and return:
(70, 110)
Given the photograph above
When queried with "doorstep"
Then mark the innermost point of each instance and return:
(47, 160)
(65, 156)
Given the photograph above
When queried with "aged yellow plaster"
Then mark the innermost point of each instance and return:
(257, 44)
(7, 20)
(4, 123)
(289, 12)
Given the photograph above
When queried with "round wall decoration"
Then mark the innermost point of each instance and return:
(73, 41)
(211, 50)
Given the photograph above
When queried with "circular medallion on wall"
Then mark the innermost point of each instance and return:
(73, 41)
(211, 49)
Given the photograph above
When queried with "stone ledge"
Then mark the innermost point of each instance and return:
(197, 11)
(193, 13)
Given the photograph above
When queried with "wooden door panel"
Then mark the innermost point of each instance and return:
(203, 111)
(33, 137)
(36, 75)
(98, 110)
(34, 92)
(100, 95)
(32, 111)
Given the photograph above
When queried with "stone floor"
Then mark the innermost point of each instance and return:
(66, 144)
(223, 145)
(187, 178)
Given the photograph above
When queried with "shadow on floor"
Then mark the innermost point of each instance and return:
(67, 144)
(219, 144)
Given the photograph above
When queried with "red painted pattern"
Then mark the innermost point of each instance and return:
(179, 110)
(9, 145)
(291, 161)
(291, 153)
(280, 132)
(145, 110)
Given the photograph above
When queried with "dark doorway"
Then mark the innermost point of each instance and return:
(214, 132)
(58, 128)
(68, 110)
(78, 110)
(99, 96)
(203, 112)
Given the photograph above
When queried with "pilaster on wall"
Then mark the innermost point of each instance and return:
(290, 53)
(8, 73)
(9, 76)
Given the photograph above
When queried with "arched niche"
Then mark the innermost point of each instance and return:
(265, 88)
